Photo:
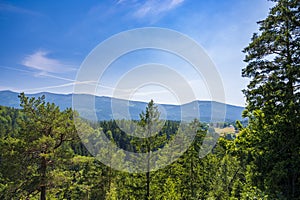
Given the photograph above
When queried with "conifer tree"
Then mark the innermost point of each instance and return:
(273, 66)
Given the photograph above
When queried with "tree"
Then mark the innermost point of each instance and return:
(192, 161)
(151, 125)
(39, 146)
(150, 138)
(273, 58)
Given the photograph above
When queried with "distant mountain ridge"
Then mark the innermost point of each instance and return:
(104, 111)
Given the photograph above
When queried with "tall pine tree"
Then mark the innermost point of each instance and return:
(273, 66)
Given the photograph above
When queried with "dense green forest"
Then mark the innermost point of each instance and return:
(42, 156)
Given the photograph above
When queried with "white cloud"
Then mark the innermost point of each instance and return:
(156, 7)
(40, 61)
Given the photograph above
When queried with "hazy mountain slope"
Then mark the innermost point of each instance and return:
(103, 106)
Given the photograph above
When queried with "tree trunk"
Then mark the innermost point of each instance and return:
(148, 176)
(43, 192)
(192, 177)
(148, 185)
(43, 179)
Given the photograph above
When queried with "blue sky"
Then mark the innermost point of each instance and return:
(43, 43)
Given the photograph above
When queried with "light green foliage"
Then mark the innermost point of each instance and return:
(170, 190)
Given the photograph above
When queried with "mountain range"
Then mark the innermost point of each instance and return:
(107, 108)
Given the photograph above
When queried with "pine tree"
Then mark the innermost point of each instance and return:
(273, 66)
(151, 138)
(151, 124)
(38, 147)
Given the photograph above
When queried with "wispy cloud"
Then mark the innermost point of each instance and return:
(70, 82)
(15, 9)
(59, 86)
(120, 1)
(152, 7)
(40, 61)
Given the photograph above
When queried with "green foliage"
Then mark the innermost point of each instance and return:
(37, 147)
(8, 121)
(44, 134)
(269, 146)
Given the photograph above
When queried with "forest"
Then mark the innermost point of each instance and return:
(43, 156)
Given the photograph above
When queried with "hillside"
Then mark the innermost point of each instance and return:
(104, 112)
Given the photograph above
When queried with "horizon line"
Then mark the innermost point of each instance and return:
(8, 90)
